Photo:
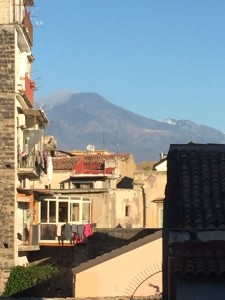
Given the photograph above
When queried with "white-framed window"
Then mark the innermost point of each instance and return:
(61, 209)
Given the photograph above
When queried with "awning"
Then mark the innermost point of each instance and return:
(38, 113)
(38, 193)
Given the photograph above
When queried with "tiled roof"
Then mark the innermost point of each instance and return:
(68, 163)
(198, 258)
(101, 158)
(65, 163)
(195, 192)
(213, 248)
(98, 172)
(199, 266)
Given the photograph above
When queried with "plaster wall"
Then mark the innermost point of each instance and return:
(5, 11)
(109, 209)
(162, 166)
(116, 277)
(127, 168)
(57, 177)
(151, 185)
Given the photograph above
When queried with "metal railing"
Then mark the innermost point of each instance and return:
(28, 26)
(29, 89)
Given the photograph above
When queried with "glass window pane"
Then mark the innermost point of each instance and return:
(86, 199)
(63, 212)
(44, 211)
(86, 212)
(52, 211)
(74, 212)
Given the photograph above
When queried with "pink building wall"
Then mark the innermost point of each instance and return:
(136, 271)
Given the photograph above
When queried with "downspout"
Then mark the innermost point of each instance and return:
(144, 205)
(14, 12)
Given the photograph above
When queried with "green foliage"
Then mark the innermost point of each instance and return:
(147, 168)
(22, 278)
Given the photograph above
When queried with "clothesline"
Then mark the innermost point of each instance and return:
(76, 234)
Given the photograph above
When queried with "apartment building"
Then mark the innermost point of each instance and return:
(21, 131)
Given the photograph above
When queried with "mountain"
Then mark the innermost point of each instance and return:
(88, 118)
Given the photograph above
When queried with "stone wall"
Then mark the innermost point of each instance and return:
(7, 59)
(7, 154)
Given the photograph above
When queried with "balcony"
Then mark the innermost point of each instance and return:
(32, 243)
(28, 27)
(24, 27)
(29, 2)
(27, 89)
(27, 166)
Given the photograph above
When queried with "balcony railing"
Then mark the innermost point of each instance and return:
(29, 89)
(27, 160)
(31, 241)
(28, 26)
(26, 88)
(28, 166)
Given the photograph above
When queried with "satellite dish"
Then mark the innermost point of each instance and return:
(34, 137)
(90, 147)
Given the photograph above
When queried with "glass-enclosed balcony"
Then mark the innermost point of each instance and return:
(30, 240)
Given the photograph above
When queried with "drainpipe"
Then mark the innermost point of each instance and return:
(144, 204)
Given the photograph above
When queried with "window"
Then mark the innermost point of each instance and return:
(63, 212)
(127, 210)
(44, 211)
(85, 212)
(74, 212)
(61, 209)
(52, 211)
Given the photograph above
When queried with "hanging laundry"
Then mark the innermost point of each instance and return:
(87, 230)
(49, 168)
(67, 231)
(80, 231)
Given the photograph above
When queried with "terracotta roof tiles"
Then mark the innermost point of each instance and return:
(101, 158)
(68, 163)
(64, 163)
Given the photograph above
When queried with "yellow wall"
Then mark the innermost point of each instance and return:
(4, 11)
(152, 184)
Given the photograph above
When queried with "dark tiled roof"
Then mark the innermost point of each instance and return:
(195, 192)
(215, 248)
(199, 266)
(198, 258)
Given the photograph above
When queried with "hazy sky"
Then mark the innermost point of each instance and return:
(157, 58)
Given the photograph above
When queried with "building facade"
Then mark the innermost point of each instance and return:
(194, 223)
(21, 129)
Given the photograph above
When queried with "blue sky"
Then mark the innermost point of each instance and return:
(157, 58)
